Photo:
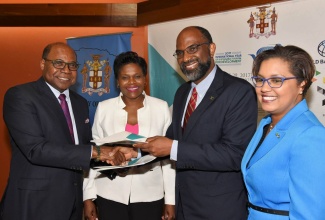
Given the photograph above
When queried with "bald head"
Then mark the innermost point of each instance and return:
(204, 32)
(49, 47)
(194, 53)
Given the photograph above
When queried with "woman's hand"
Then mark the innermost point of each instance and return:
(169, 212)
(90, 211)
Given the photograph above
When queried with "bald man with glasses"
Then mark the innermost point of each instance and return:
(207, 139)
(50, 138)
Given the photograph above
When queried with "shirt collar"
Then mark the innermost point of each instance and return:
(204, 85)
(122, 104)
(57, 93)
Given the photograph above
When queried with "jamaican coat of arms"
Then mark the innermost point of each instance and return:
(96, 74)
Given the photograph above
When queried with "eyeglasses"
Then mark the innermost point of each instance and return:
(190, 50)
(59, 64)
(274, 82)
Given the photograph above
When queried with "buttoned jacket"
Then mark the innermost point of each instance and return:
(211, 147)
(145, 183)
(287, 171)
(46, 171)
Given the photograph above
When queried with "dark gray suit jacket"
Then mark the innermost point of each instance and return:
(208, 179)
(45, 180)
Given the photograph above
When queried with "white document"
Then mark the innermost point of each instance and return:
(137, 162)
(126, 139)
(123, 136)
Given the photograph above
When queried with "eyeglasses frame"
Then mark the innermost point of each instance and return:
(65, 63)
(186, 49)
(267, 80)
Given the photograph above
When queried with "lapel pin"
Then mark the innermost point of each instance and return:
(87, 121)
(277, 135)
(211, 98)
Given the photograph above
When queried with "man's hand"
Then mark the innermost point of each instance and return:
(128, 152)
(116, 158)
(90, 211)
(157, 146)
(109, 154)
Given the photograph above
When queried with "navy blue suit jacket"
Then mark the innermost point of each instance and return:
(45, 180)
(208, 178)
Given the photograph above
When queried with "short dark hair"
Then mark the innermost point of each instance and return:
(126, 58)
(49, 47)
(206, 34)
(300, 62)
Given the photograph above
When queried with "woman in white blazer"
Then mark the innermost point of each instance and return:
(283, 166)
(142, 192)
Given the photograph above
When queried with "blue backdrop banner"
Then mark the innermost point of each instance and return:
(96, 54)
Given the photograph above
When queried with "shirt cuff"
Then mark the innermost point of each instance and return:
(173, 152)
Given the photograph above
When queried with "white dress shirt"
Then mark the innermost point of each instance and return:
(67, 94)
(201, 89)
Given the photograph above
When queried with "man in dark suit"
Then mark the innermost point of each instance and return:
(209, 149)
(48, 158)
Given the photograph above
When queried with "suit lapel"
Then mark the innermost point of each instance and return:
(145, 118)
(270, 142)
(78, 118)
(50, 100)
(276, 134)
(81, 116)
(210, 97)
(179, 108)
(253, 144)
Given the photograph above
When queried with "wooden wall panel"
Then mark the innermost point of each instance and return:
(114, 14)
(67, 15)
(155, 11)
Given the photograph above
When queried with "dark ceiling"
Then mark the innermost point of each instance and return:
(115, 14)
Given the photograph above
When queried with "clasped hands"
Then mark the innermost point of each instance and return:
(114, 155)
(158, 146)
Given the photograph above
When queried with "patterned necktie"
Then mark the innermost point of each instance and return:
(190, 107)
(65, 108)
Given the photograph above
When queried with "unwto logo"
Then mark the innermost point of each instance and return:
(261, 50)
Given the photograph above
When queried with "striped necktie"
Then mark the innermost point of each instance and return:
(190, 107)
